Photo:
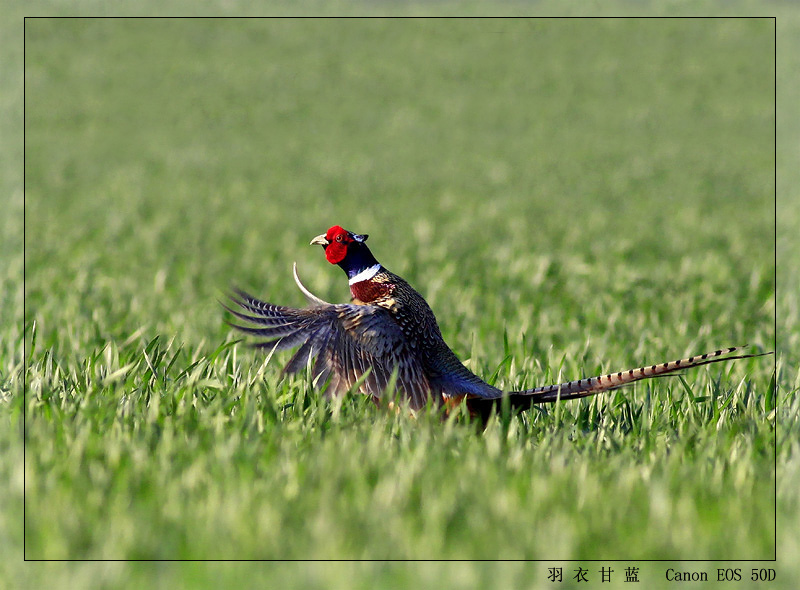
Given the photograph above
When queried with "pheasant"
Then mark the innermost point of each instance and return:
(388, 337)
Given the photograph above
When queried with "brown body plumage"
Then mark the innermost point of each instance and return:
(389, 335)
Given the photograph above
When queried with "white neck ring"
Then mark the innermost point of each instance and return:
(365, 274)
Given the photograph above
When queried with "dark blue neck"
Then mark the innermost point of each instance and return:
(358, 259)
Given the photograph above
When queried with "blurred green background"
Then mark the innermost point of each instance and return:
(599, 193)
(181, 156)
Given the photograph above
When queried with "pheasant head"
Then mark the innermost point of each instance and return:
(349, 251)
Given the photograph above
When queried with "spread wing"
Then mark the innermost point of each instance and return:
(343, 344)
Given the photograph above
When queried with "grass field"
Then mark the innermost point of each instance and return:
(570, 197)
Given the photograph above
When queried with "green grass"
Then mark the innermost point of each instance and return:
(575, 196)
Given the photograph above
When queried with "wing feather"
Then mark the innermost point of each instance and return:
(351, 345)
(303, 356)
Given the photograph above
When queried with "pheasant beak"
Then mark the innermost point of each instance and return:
(320, 240)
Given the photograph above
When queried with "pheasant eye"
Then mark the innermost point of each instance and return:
(339, 238)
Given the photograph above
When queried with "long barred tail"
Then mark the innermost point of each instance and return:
(593, 385)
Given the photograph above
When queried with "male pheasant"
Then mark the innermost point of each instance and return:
(389, 335)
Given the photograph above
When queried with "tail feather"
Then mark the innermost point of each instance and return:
(590, 386)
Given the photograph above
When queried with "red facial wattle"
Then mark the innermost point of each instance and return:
(336, 250)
